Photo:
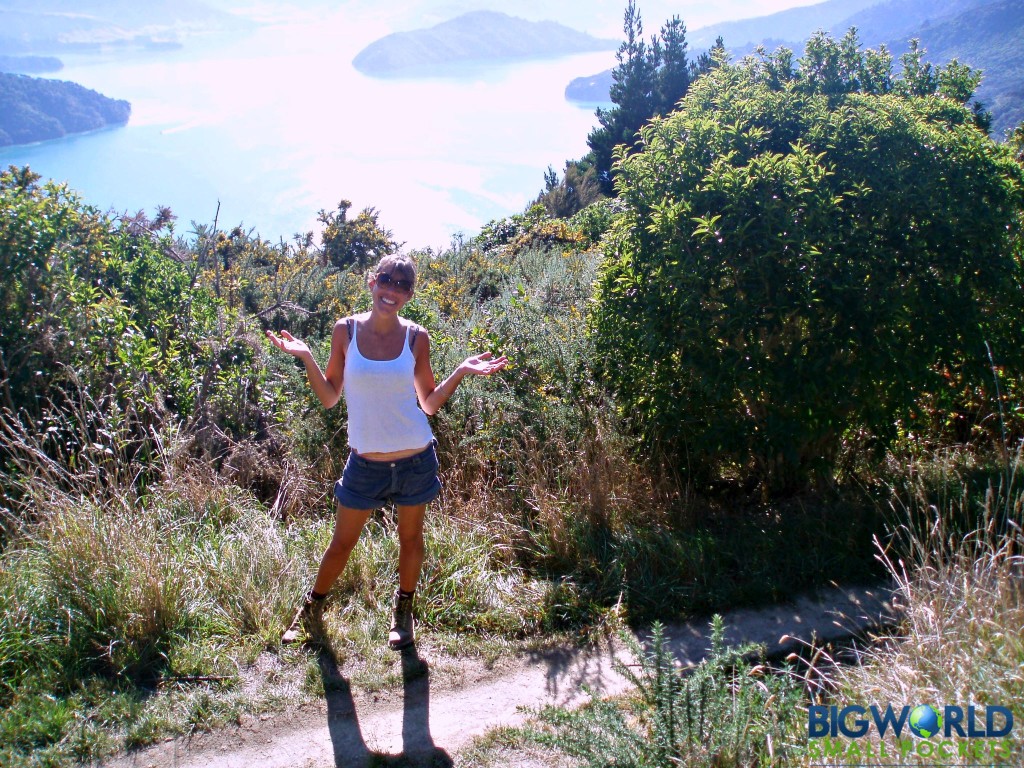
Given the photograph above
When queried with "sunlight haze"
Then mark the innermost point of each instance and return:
(274, 123)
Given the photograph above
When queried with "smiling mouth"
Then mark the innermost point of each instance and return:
(386, 300)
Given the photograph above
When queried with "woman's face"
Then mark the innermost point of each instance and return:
(390, 290)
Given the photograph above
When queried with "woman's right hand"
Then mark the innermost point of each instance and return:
(288, 343)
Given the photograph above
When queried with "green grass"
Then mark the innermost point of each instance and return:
(130, 611)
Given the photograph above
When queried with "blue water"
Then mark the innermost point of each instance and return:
(278, 125)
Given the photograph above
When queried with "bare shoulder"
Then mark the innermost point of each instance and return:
(418, 336)
(412, 326)
(349, 321)
(342, 332)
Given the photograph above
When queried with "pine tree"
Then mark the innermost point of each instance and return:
(632, 92)
(675, 74)
(650, 79)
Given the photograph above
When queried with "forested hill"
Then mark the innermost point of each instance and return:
(876, 22)
(36, 109)
(793, 25)
(989, 38)
(481, 36)
(49, 27)
(985, 34)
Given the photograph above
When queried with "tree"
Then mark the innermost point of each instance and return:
(360, 242)
(806, 253)
(577, 189)
(674, 75)
(650, 80)
(633, 93)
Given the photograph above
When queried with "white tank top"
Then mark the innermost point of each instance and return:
(383, 413)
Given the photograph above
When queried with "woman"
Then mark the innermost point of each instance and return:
(382, 364)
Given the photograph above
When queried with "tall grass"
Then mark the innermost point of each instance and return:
(961, 594)
(127, 614)
(961, 590)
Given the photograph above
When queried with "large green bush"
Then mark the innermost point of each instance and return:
(108, 339)
(90, 303)
(809, 251)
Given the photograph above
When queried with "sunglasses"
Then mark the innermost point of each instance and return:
(383, 278)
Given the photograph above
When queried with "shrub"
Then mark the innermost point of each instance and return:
(726, 711)
(955, 559)
(801, 258)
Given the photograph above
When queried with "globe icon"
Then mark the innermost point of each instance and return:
(925, 721)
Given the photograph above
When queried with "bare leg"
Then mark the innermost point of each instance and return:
(348, 524)
(410, 546)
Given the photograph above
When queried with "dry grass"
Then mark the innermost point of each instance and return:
(962, 601)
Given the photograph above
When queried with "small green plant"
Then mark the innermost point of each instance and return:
(726, 711)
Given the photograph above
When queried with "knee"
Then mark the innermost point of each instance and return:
(341, 545)
(410, 539)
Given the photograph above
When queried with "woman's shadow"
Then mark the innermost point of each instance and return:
(350, 750)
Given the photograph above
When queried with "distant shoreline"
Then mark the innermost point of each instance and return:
(480, 37)
(67, 137)
(30, 65)
(41, 109)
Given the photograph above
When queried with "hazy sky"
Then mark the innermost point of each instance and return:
(605, 16)
(275, 124)
(598, 17)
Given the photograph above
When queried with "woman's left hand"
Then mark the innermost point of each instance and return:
(483, 365)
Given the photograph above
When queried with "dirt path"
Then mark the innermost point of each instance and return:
(430, 727)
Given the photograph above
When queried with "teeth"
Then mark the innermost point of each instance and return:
(387, 301)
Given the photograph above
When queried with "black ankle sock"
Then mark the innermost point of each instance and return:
(403, 593)
(316, 595)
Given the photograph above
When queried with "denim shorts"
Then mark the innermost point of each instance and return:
(369, 484)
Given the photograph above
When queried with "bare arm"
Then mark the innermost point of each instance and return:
(326, 386)
(431, 395)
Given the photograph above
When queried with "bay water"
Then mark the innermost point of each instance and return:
(276, 124)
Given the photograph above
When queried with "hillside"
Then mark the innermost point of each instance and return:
(481, 36)
(793, 25)
(46, 26)
(903, 19)
(34, 109)
(29, 65)
(988, 38)
(985, 34)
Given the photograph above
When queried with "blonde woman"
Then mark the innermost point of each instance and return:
(381, 363)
